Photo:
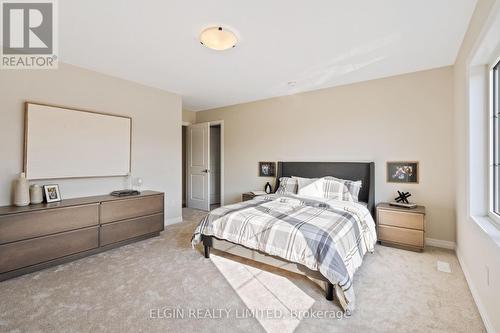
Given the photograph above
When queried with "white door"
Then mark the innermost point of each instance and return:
(198, 166)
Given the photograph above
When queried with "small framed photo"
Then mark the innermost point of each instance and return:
(267, 169)
(402, 172)
(52, 193)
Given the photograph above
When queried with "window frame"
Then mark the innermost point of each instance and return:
(493, 111)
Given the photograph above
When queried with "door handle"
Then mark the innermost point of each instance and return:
(205, 171)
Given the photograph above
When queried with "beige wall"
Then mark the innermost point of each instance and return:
(156, 137)
(477, 250)
(407, 117)
(189, 116)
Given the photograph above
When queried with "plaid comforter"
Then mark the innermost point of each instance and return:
(329, 236)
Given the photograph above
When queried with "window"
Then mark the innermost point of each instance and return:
(495, 143)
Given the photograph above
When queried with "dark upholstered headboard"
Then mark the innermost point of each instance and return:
(364, 171)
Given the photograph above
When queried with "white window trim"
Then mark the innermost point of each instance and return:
(477, 186)
(491, 214)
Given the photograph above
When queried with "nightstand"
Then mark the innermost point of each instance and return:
(248, 196)
(402, 227)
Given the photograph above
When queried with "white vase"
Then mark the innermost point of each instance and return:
(36, 194)
(22, 191)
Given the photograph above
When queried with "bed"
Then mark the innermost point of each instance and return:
(322, 238)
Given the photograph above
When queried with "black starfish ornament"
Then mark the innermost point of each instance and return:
(403, 197)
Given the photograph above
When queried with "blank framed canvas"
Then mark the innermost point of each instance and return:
(69, 143)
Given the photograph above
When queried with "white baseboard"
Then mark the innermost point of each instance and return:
(173, 220)
(440, 243)
(475, 295)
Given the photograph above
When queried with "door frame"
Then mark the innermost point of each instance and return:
(185, 198)
(221, 123)
(214, 123)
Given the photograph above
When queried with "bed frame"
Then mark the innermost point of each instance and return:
(364, 171)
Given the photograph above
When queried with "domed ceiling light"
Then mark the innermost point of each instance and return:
(218, 38)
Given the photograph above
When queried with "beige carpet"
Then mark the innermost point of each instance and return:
(116, 291)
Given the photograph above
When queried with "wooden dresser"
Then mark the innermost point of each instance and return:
(402, 227)
(39, 236)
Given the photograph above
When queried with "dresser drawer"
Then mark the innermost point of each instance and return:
(401, 219)
(112, 211)
(38, 250)
(401, 236)
(118, 231)
(40, 223)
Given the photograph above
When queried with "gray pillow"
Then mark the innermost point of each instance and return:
(288, 186)
(352, 185)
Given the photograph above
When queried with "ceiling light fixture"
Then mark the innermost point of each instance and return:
(218, 38)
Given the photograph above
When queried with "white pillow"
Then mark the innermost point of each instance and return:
(324, 188)
(312, 187)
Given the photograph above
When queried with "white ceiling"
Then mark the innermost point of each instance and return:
(318, 44)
